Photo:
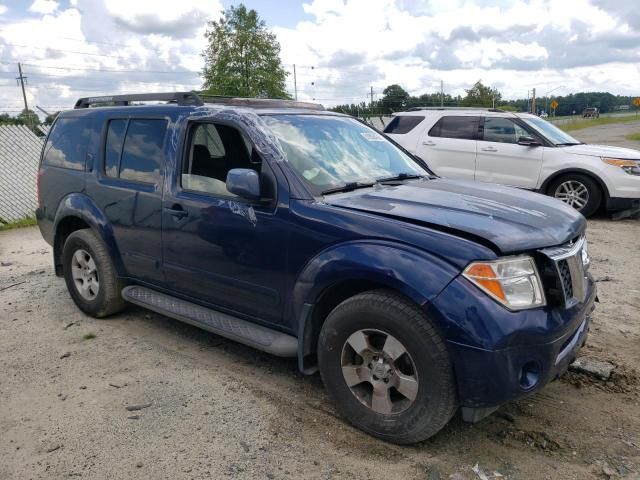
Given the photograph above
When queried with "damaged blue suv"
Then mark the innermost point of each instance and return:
(307, 234)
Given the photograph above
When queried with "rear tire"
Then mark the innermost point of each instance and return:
(393, 328)
(578, 191)
(90, 276)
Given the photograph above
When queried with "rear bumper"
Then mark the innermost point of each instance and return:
(489, 377)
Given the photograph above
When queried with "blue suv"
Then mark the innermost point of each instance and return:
(307, 234)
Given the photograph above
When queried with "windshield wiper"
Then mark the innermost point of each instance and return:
(569, 144)
(348, 187)
(400, 176)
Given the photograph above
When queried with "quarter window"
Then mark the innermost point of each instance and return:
(134, 149)
(502, 130)
(67, 143)
(461, 127)
(403, 124)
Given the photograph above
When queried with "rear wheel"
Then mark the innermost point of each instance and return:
(578, 191)
(386, 367)
(90, 276)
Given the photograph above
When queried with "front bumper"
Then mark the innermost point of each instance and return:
(521, 360)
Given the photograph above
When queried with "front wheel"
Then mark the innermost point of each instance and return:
(578, 191)
(386, 367)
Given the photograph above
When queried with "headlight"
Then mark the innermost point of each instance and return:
(514, 282)
(632, 167)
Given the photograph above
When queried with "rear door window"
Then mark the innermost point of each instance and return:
(134, 149)
(403, 124)
(461, 127)
(67, 144)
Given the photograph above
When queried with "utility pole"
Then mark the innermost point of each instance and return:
(372, 98)
(533, 102)
(21, 79)
(441, 93)
(295, 81)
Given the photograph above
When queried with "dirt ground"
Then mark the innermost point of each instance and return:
(200, 406)
(612, 134)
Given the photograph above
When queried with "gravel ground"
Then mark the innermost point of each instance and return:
(210, 408)
(612, 134)
(139, 395)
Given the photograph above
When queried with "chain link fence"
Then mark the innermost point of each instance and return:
(19, 156)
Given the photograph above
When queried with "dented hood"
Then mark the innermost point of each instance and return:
(512, 220)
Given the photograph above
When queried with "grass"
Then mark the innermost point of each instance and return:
(633, 136)
(594, 122)
(23, 222)
(89, 336)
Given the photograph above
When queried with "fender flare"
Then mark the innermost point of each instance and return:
(416, 274)
(566, 171)
(81, 206)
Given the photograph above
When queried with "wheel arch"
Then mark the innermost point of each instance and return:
(77, 211)
(567, 171)
(355, 267)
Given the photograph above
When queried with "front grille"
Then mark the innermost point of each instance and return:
(565, 278)
(565, 273)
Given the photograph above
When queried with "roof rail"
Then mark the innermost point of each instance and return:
(417, 109)
(180, 98)
(194, 99)
(259, 102)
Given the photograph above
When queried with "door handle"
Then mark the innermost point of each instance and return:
(489, 149)
(177, 211)
(429, 144)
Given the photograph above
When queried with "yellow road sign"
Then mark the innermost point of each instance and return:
(636, 101)
(554, 104)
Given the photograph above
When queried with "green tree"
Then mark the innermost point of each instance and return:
(395, 98)
(29, 118)
(481, 96)
(243, 57)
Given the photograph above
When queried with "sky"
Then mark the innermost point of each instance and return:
(342, 49)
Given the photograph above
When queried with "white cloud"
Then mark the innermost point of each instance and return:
(43, 6)
(3, 9)
(340, 48)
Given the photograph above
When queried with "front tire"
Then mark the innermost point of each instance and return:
(578, 191)
(387, 368)
(90, 276)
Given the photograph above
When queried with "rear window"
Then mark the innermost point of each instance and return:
(67, 143)
(461, 127)
(403, 124)
(134, 149)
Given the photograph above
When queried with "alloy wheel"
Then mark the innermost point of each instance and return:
(379, 371)
(573, 193)
(85, 274)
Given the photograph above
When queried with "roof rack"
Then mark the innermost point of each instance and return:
(180, 98)
(417, 109)
(194, 99)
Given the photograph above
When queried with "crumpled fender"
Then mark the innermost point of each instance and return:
(414, 273)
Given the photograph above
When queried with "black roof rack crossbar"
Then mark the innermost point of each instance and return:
(488, 109)
(180, 98)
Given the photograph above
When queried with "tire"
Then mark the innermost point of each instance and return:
(381, 314)
(562, 187)
(103, 297)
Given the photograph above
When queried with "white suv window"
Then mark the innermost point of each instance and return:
(458, 126)
(502, 130)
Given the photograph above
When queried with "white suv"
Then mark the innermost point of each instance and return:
(520, 150)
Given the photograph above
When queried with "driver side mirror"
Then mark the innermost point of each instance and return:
(528, 141)
(244, 183)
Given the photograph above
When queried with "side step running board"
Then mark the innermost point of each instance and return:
(228, 326)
